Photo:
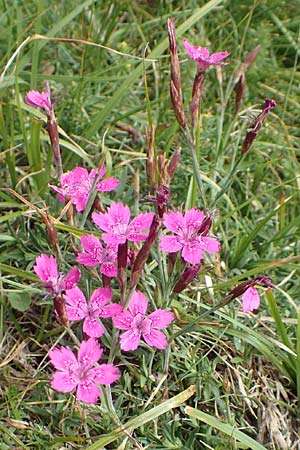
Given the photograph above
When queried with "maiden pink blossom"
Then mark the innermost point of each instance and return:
(190, 235)
(203, 58)
(53, 280)
(95, 254)
(250, 300)
(40, 99)
(138, 325)
(77, 185)
(82, 372)
(78, 308)
(250, 295)
(117, 226)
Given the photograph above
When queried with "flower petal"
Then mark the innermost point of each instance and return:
(46, 267)
(88, 392)
(109, 269)
(161, 318)
(105, 374)
(138, 303)
(90, 352)
(111, 310)
(92, 327)
(62, 358)
(156, 339)
(141, 222)
(251, 300)
(109, 184)
(130, 340)
(71, 279)
(216, 57)
(192, 252)
(170, 244)
(119, 213)
(100, 297)
(76, 306)
(210, 245)
(174, 221)
(193, 219)
(123, 320)
(63, 382)
(89, 242)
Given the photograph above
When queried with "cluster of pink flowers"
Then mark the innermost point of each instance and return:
(187, 236)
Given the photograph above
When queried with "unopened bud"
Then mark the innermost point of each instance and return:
(196, 95)
(186, 277)
(60, 310)
(173, 163)
(175, 83)
(257, 124)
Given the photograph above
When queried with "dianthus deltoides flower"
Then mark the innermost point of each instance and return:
(117, 226)
(40, 99)
(78, 308)
(54, 281)
(95, 254)
(82, 372)
(250, 295)
(191, 231)
(138, 325)
(77, 184)
(203, 58)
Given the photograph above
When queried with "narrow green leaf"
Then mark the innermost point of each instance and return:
(146, 417)
(226, 428)
(281, 329)
(20, 273)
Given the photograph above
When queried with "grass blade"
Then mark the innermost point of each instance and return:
(226, 428)
(144, 418)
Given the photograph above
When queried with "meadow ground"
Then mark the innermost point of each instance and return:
(228, 379)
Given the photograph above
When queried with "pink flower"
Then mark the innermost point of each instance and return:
(138, 325)
(77, 185)
(250, 299)
(78, 308)
(40, 99)
(81, 373)
(96, 254)
(202, 57)
(190, 230)
(55, 282)
(250, 295)
(117, 226)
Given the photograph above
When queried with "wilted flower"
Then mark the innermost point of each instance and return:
(78, 309)
(82, 372)
(117, 226)
(191, 235)
(77, 184)
(54, 281)
(95, 254)
(139, 325)
(250, 295)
